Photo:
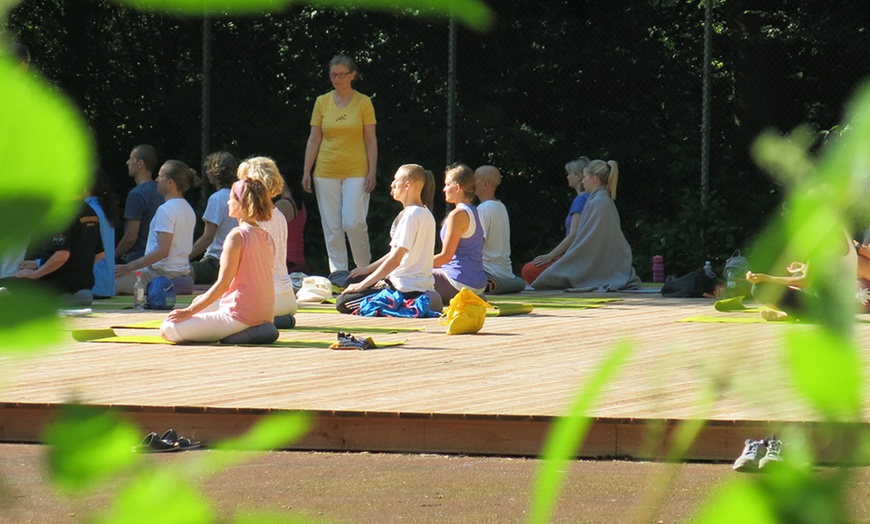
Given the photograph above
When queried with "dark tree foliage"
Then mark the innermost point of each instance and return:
(552, 81)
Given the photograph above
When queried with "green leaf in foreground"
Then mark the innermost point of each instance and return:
(827, 371)
(87, 445)
(738, 501)
(46, 156)
(567, 435)
(473, 13)
(160, 496)
(28, 317)
(272, 432)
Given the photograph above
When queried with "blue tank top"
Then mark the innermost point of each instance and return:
(466, 266)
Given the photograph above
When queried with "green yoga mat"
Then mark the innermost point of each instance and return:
(747, 319)
(109, 336)
(507, 310)
(526, 299)
(734, 304)
(126, 302)
(155, 324)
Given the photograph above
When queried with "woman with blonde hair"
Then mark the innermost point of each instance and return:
(599, 257)
(574, 175)
(265, 171)
(460, 262)
(341, 158)
(243, 292)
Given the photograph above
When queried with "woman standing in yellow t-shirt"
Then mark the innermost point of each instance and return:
(343, 150)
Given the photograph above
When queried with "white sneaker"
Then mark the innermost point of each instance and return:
(753, 451)
(774, 453)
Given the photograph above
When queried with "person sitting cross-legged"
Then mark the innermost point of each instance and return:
(243, 292)
(170, 236)
(408, 266)
(494, 219)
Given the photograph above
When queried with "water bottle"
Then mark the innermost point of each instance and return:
(658, 268)
(708, 270)
(731, 279)
(139, 293)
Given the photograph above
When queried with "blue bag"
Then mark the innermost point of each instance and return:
(391, 303)
(160, 294)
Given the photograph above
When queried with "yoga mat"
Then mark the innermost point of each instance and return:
(314, 309)
(735, 320)
(155, 324)
(109, 336)
(531, 299)
(734, 304)
(507, 310)
(126, 302)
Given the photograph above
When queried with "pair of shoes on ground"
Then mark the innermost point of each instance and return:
(169, 441)
(759, 454)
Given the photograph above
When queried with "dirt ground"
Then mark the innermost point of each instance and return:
(384, 488)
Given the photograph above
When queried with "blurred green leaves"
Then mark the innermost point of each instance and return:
(91, 446)
(46, 156)
(568, 433)
(273, 432)
(160, 496)
(88, 445)
(473, 13)
(28, 317)
(827, 370)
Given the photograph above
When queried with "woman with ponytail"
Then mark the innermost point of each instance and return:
(599, 257)
(264, 170)
(240, 305)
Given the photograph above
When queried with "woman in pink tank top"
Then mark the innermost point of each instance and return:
(243, 296)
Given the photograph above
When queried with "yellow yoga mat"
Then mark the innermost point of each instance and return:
(743, 319)
(505, 309)
(109, 336)
(155, 324)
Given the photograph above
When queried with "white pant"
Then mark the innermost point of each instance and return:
(205, 326)
(344, 205)
(285, 302)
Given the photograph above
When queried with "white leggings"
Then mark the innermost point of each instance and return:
(209, 325)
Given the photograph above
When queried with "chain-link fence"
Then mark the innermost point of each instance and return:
(552, 81)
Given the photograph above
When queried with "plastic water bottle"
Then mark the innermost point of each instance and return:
(658, 268)
(708, 270)
(139, 293)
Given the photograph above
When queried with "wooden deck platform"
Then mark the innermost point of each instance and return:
(492, 393)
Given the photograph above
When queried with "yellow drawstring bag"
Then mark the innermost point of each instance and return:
(465, 314)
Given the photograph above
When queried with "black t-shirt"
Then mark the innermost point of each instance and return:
(83, 241)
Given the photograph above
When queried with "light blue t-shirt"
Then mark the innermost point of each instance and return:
(217, 212)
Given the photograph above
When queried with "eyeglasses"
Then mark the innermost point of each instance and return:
(339, 75)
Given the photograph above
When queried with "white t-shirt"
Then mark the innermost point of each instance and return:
(177, 217)
(217, 212)
(497, 245)
(414, 230)
(277, 228)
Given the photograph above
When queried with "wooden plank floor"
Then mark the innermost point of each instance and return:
(520, 368)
